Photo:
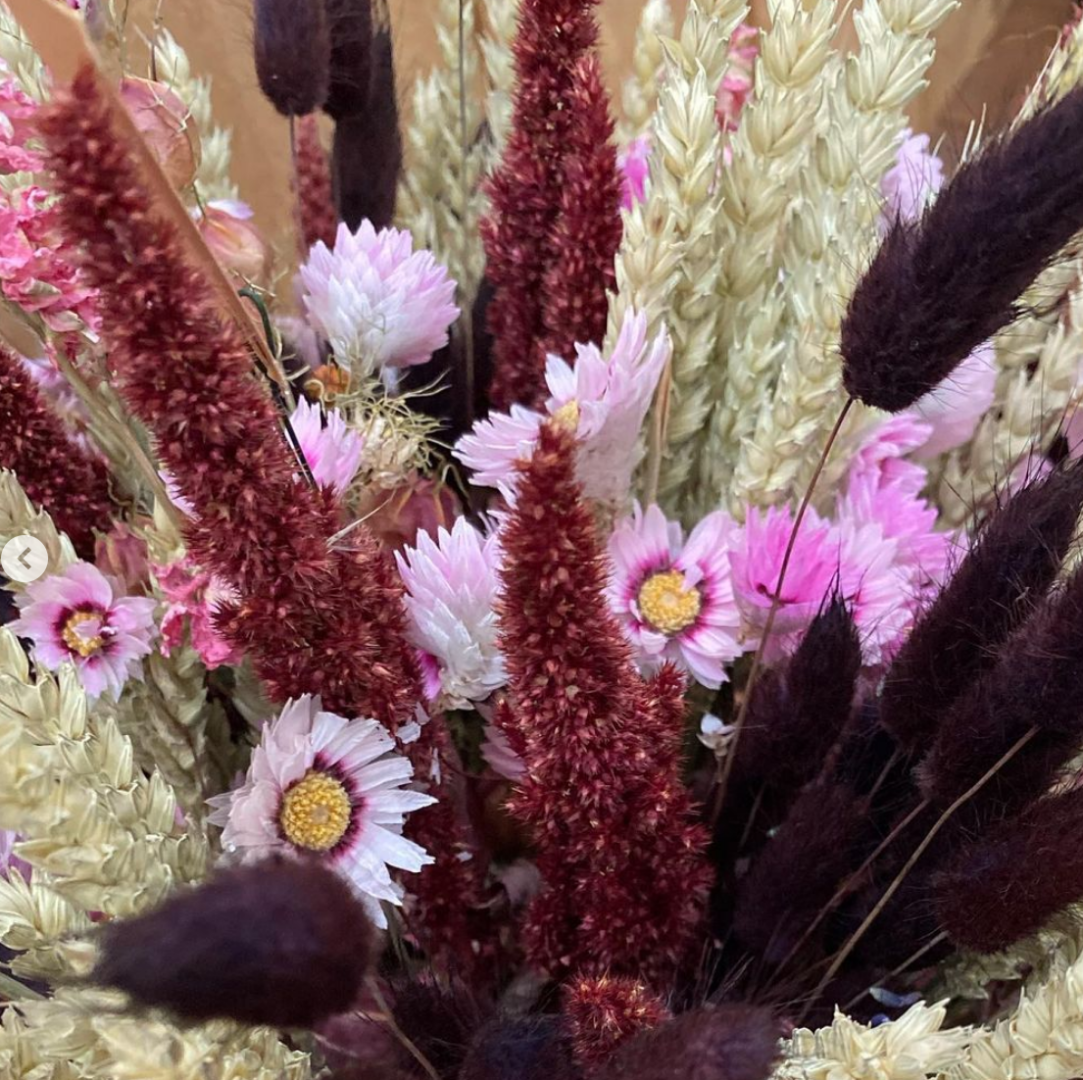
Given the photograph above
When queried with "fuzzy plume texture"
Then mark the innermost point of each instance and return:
(998, 890)
(620, 856)
(350, 26)
(282, 943)
(587, 233)
(55, 472)
(315, 199)
(293, 54)
(526, 189)
(729, 1042)
(366, 158)
(377, 301)
(1010, 565)
(938, 287)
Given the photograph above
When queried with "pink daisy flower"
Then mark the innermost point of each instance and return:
(674, 598)
(332, 450)
(452, 586)
(193, 598)
(855, 560)
(321, 786)
(80, 617)
(378, 302)
(604, 400)
(634, 164)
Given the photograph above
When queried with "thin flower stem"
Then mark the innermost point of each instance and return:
(914, 956)
(851, 942)
(726, 767)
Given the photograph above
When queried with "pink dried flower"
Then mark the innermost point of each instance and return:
(195, 595)
(954, 407)
(854, 560)
(322, 786)
(500, 756)
(122, 555)
(226, 227)
(602, 400)
(737, 84)
(17, 115)
(634, 164)
(36, 268)
(913, 181)
(80, 617)
(162, 118)
(332, 450)
(377, 301)
(674, 599)
(451, 585)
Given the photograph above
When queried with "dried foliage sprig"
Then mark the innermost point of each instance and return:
(55, 471)
(619, 853)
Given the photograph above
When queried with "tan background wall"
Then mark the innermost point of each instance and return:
(989, 51)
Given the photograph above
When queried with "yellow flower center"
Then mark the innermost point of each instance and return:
(666, 604)
(78, 641)
(315, 812)
(567, 416)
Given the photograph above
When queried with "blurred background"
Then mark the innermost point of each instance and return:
(988, 53)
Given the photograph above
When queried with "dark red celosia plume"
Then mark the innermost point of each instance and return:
(283, 943)
(315, 202)
(730, 1042)
(1011, 884)
(583, 244)
(293, 54)
(940, 286)
(622, 861)
(520, 233)
(55, 472)
(1008, 569)
(315, 618)
(604, 1012)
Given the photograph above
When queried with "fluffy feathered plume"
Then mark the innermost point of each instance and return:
(587, 233)
(293, 54)
(1004, 575)
(1036, 682)
(1010, 885)
(554, 38)
(625, 878)
(316, 618)
(940, 286)
(731, 1042)
(284, 944)
(315, 200)
(350, 25)
(528, 1048)
(54, 471)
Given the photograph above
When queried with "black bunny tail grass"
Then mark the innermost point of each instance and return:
(350, 25)
(940, 286)
(284, 943)
(1008, 886)
(997, 586)
(293, 54)
(366, 157)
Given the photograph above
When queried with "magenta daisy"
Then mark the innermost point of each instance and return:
(332, 450)
(451, 584)
(321, 786)
(376, 301)
(603, 399)
(81, 617)
(674, 598)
